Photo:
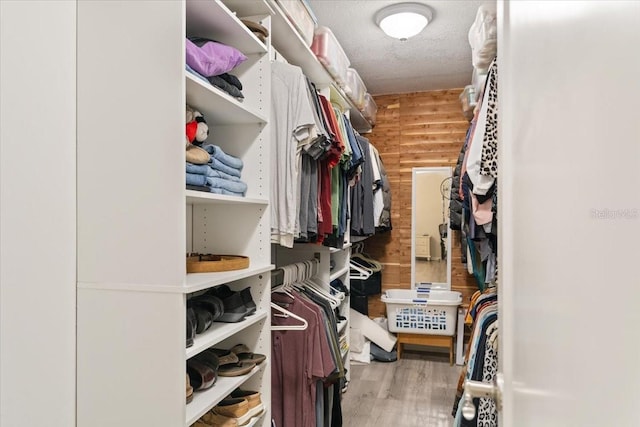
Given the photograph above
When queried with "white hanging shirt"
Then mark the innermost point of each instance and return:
(291, 121)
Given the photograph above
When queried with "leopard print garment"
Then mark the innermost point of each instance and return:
(487, 410)
(489, 159)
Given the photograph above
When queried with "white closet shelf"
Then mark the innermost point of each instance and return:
(338, 273)
(248, 8)
(212, 19)
(220, 331)
(342, 325)
(201, 198)
(198, 281)
(290, 44)
(336, 250)
(217, 106)
(203, 401)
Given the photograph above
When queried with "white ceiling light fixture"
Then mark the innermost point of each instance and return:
(404, 20)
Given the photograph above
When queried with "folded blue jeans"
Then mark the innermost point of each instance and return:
(196, 179)
(207, 170)
(234, 186)
(217, 153)
(223, 191)
(220, 166)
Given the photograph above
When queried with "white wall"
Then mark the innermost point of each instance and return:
(37, 213)
(569, 201)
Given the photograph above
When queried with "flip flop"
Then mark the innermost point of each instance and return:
(225, 357)
(246, 355)
(230, 365)
(236, 369)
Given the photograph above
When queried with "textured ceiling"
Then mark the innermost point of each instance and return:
(437, 58)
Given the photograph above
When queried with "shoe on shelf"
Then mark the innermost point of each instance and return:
(215, 420)
(247, 300)
(210, 303)
(201, 376)
(230, 365)
(209, 359)
(246, 355)
(256, 407)
(189, 390)
(235, 309)
(236, 408)
(192, 325)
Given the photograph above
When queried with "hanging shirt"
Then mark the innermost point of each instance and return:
(291, 121)
(481, 183)
(299, 359)
(378, 200)
(489, 157)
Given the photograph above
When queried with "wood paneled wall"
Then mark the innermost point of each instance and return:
(414, 130)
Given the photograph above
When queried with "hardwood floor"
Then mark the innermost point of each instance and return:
(416, 391)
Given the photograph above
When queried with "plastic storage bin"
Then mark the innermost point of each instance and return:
(468, 101)
(301, 17)
(330, 54)
(370, 109)
(355, 88)
(430, 313)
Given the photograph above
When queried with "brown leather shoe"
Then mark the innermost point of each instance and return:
(189, 390)
(253, 398)
(214, 420)
(234, 408)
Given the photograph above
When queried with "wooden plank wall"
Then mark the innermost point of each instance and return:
(414, 130)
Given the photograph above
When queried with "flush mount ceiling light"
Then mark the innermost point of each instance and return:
(403, 20)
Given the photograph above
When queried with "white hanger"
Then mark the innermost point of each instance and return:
(360, 271)
(285, 287)
(333, 300)
(287, 313)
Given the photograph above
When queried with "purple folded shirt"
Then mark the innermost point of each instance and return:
(212, 58)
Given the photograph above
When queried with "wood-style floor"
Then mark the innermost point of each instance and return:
(416, 391)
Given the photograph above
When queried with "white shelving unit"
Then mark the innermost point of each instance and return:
(136, 221)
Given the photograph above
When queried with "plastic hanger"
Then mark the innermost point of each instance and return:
(376, 266)
(314, 287)
(360, 272)
(287, 313)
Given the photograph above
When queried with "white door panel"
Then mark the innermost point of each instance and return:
(569, 84)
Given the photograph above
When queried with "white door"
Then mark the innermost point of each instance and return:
(569, 84)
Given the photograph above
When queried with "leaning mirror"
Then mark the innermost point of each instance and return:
(430, 242)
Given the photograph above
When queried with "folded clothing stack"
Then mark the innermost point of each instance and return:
(211, 62)
(221, 175)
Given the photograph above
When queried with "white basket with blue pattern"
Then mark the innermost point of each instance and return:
(422, 312)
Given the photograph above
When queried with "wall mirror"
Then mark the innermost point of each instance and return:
(430, 234)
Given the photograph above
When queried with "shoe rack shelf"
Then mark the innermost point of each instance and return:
(205, 400)
(195, 282)
(220, 331)
(136, 221)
